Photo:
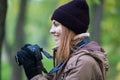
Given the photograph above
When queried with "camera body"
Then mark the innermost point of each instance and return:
(35, 50)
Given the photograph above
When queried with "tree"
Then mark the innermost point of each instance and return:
(18, 42)
(3, 10)
(96, 18)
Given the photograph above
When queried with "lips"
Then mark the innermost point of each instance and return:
(56, 37)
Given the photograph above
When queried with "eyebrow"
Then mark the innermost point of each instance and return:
(54, 22)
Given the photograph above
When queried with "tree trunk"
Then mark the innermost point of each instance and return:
(3, 10)
(96, 21)
(19, 41)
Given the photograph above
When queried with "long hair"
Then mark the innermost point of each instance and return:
(63, 51)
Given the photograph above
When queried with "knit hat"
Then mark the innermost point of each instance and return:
(74, 15)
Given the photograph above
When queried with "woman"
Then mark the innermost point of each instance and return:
(75, 56)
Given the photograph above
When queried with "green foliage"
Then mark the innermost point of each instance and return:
(110, 36)
(38, 21)
(118, 68)
(6, 71)
(96, 2)
(12, 14)
(110, 25)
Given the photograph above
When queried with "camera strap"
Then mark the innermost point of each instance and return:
(47, 54)
(83, 42)
(80, 45)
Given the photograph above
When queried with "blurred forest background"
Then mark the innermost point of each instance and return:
(28, 21)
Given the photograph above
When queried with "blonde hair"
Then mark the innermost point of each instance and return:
(63, 51)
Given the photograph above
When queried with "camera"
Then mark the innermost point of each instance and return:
(34, 49)
(32, 53)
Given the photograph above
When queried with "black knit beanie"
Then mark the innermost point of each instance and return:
(74, 15)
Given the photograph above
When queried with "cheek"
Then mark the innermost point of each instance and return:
(60, 30)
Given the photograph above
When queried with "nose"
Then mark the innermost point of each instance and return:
(52, 30)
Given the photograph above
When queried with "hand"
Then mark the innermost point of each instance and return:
(27, 58)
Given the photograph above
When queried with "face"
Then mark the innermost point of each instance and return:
(56, 31)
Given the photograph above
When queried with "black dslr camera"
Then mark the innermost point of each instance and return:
(35, 49)
(35, 54)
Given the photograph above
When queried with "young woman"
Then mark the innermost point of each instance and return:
(75, 56)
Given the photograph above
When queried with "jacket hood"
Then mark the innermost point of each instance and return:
(93, 46)
(98, 53)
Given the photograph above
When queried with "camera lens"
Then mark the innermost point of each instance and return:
(17, 60)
